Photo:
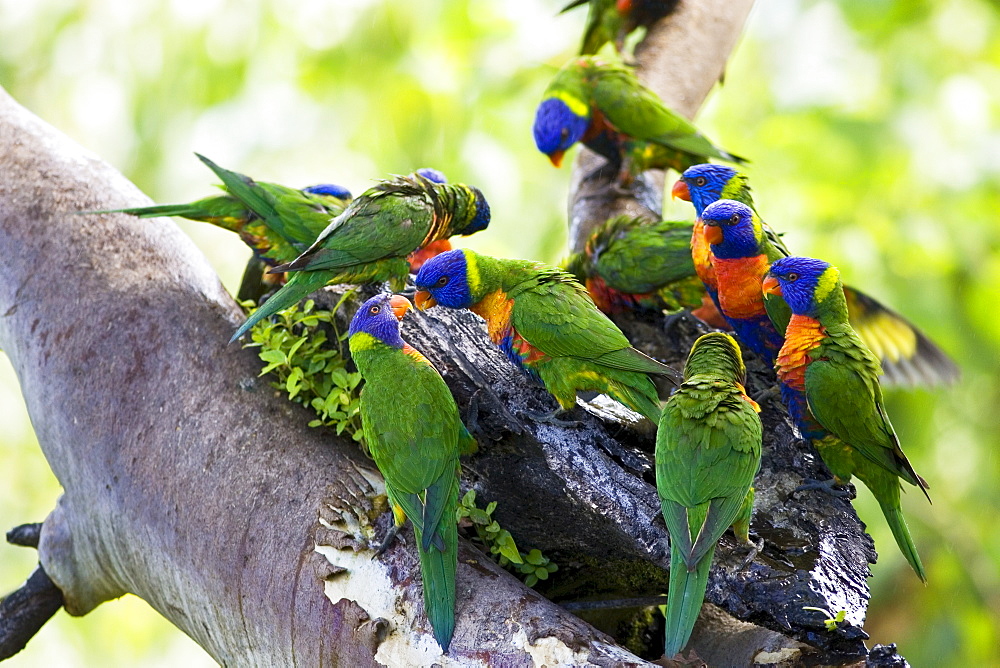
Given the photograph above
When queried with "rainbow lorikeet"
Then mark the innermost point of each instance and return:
(370, 241)
(605, 106)
(614, 20)
(634, 262)
(708, 449)
(414, 433)
(908, 356)
(547, 325)
(833, 381)
(271, 239)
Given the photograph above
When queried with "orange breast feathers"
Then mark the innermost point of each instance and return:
(802, 336)
(701, 254)
(740, 294)
(415, 354)
(495, 309)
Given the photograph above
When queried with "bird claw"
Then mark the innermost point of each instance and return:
(673, 320)
(550, 418)
(825, 486)
(755, 549)
(387, 541)
(773, 392)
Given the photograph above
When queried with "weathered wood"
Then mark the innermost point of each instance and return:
(190, 482)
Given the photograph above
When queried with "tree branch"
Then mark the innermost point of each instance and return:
(188, 481)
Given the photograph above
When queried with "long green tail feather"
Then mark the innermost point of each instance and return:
(181, 210)
(894, 517)
(638, 401)
(437, 571)
(684, 599)
(297, 287)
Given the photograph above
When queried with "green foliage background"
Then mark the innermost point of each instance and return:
(872, 125)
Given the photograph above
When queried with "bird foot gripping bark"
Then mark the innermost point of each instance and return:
(551, 418)
(826, 486)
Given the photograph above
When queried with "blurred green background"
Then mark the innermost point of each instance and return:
(872, 125)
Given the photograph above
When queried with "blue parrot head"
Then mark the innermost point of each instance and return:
(444, 280)
(379, 317)
(328, 189)
(731, 229)
(481, 220)
(432, 175)
(557, 127)
(803, 282)
(703, 184)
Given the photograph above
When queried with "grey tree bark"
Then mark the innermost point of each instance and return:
(191, 483)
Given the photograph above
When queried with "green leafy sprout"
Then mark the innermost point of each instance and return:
(293, 346)
(832, 621)
(531, 566)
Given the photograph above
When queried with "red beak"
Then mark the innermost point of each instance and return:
(399, 305)
(680, 191)
(557, 157)
(424, 300)
(714, 235)
(771, 286)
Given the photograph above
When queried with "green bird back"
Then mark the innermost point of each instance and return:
(370, 241)
(639, 113)
(708, 449)
(634, 261)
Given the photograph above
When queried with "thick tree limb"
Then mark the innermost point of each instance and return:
(187, 480)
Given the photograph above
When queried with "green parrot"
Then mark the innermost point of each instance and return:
(614, 20)
(908, 356)
(708, 449)
(414, 433)
(605, 106)
(634, 262)
(261, 227)
(546, 325)
(371, 240)
(830, 385)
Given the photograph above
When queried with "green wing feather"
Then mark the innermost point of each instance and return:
(639, 113)
(555, 314)
(843, 394)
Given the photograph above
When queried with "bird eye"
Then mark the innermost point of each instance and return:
(564, 133)
(441, 282)
(700, 181)
(374, 309)
(792, 277)
(735, 218)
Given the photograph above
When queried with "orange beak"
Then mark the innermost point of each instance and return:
(771, 286)
(624, 6)
(424, 300)
(399, 305)
(713, 234)
(557, 157)
(681, 191)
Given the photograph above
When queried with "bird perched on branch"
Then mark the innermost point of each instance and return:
(830, 384)
(636, 263)
(603, 105)
(414, 433)
(547, 325)
(614, 20)
(371, 240)
(908, 356)
(708, 449)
